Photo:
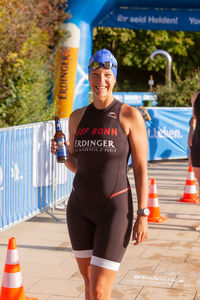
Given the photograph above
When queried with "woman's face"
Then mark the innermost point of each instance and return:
(102, 82)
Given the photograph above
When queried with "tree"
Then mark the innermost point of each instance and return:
(133, 48)
(180, 93)
(29, 33)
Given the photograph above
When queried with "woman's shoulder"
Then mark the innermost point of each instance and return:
(130, 112)
(78, 113)
(130, 117)
(76, 117)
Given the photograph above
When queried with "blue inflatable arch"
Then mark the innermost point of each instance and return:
(136, 14)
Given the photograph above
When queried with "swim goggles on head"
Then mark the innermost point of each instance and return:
(96, 65)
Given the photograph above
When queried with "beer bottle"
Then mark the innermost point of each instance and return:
(59, 137)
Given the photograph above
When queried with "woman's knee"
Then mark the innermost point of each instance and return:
(98, 290)
(84, 268)
(86, 277)
(101, 282)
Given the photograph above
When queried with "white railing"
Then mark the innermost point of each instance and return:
(30, 179)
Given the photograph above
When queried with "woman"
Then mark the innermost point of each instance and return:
(194, 136)
(99, 210)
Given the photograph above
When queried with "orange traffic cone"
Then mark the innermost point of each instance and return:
(12, 287)
(153, 204)
(190, 193)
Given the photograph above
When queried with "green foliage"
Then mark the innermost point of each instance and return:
(180, 92)
(29, 87)
(133, 48)
(29, 33)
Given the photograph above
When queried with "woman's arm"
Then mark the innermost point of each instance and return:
(193, 121)
(135, 129)
(191, 131)
(71, 162)
(74, 120)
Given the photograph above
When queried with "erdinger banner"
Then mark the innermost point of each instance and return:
(65, 72)
(71, 87)
(153, 19)
(167, 132)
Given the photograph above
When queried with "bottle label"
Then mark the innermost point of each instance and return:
(58, 126)
(61, 147)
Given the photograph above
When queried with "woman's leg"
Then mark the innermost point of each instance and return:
(101, 282)
(84, 268)
(197, 175)
(189, 158)
(112, 235)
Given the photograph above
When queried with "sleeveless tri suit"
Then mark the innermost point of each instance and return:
(195, 149)
(100, 210)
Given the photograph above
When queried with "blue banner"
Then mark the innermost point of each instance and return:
(167, 132)
(136, 98)
(153, 19)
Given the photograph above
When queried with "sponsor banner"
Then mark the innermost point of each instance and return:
(167, 132)
(64, 80)
(153, 19)
(136, 98)
(65, 72)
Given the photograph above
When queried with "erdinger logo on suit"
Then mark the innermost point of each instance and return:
(94, 141)
(112, 115)
(94, 146)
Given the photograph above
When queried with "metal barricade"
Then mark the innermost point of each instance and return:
(30, 179)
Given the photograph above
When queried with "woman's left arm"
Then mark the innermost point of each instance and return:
(136, 131)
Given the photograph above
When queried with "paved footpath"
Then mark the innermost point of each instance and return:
(165, 267)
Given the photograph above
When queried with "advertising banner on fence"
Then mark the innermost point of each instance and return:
(136, 98)
(167, 132)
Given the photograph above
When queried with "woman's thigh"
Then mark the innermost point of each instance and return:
(101, 280)
(197, 173)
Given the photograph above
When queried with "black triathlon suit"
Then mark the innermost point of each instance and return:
(100, 209)
(195, 149)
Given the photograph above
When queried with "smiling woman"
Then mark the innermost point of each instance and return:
(100, 210)
(102, 77)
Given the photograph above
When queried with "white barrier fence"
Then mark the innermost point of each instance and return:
(30, 179)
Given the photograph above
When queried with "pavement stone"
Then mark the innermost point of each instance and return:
(165, 267)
